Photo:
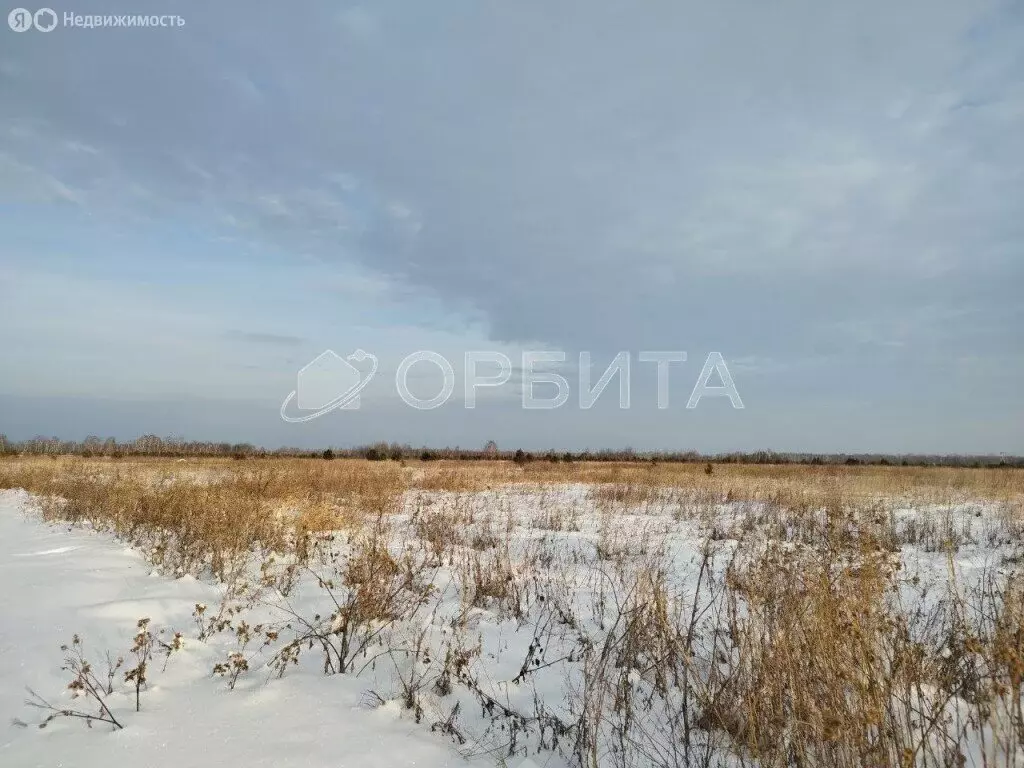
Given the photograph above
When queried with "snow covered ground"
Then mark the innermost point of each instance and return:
(523, 585)
(59, 581)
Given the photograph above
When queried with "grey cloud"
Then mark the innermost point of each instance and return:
(714, 428)
(276, 339)
(792, 181)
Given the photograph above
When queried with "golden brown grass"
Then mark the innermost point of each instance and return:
(192, 514)
(799, 653)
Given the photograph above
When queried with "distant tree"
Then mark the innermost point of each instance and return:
(521, 457)
(150, 445)
(490, 448)
(426, 455)
(328, 454)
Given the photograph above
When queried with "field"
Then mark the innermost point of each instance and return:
(348, 612)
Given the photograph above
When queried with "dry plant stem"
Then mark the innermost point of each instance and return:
(105, 716)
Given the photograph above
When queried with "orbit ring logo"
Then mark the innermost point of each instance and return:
(330, 382)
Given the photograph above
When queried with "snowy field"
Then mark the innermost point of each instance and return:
(61, 581)
(554, 624)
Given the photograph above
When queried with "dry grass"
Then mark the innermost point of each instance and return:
(797, 641)
(192, 515)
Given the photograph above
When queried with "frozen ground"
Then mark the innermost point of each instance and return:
(59, 581)
(522, 581)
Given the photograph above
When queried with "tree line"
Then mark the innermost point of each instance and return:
(176, 447)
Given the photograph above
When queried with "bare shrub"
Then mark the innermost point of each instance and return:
(87, 684)
(368, 590)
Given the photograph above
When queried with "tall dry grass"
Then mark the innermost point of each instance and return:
(796, 641)
(192, 515)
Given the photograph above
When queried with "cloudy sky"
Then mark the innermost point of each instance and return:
(831, 195)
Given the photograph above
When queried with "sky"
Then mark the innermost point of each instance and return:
(829, 195)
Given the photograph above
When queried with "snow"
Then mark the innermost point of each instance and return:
(59, 581)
